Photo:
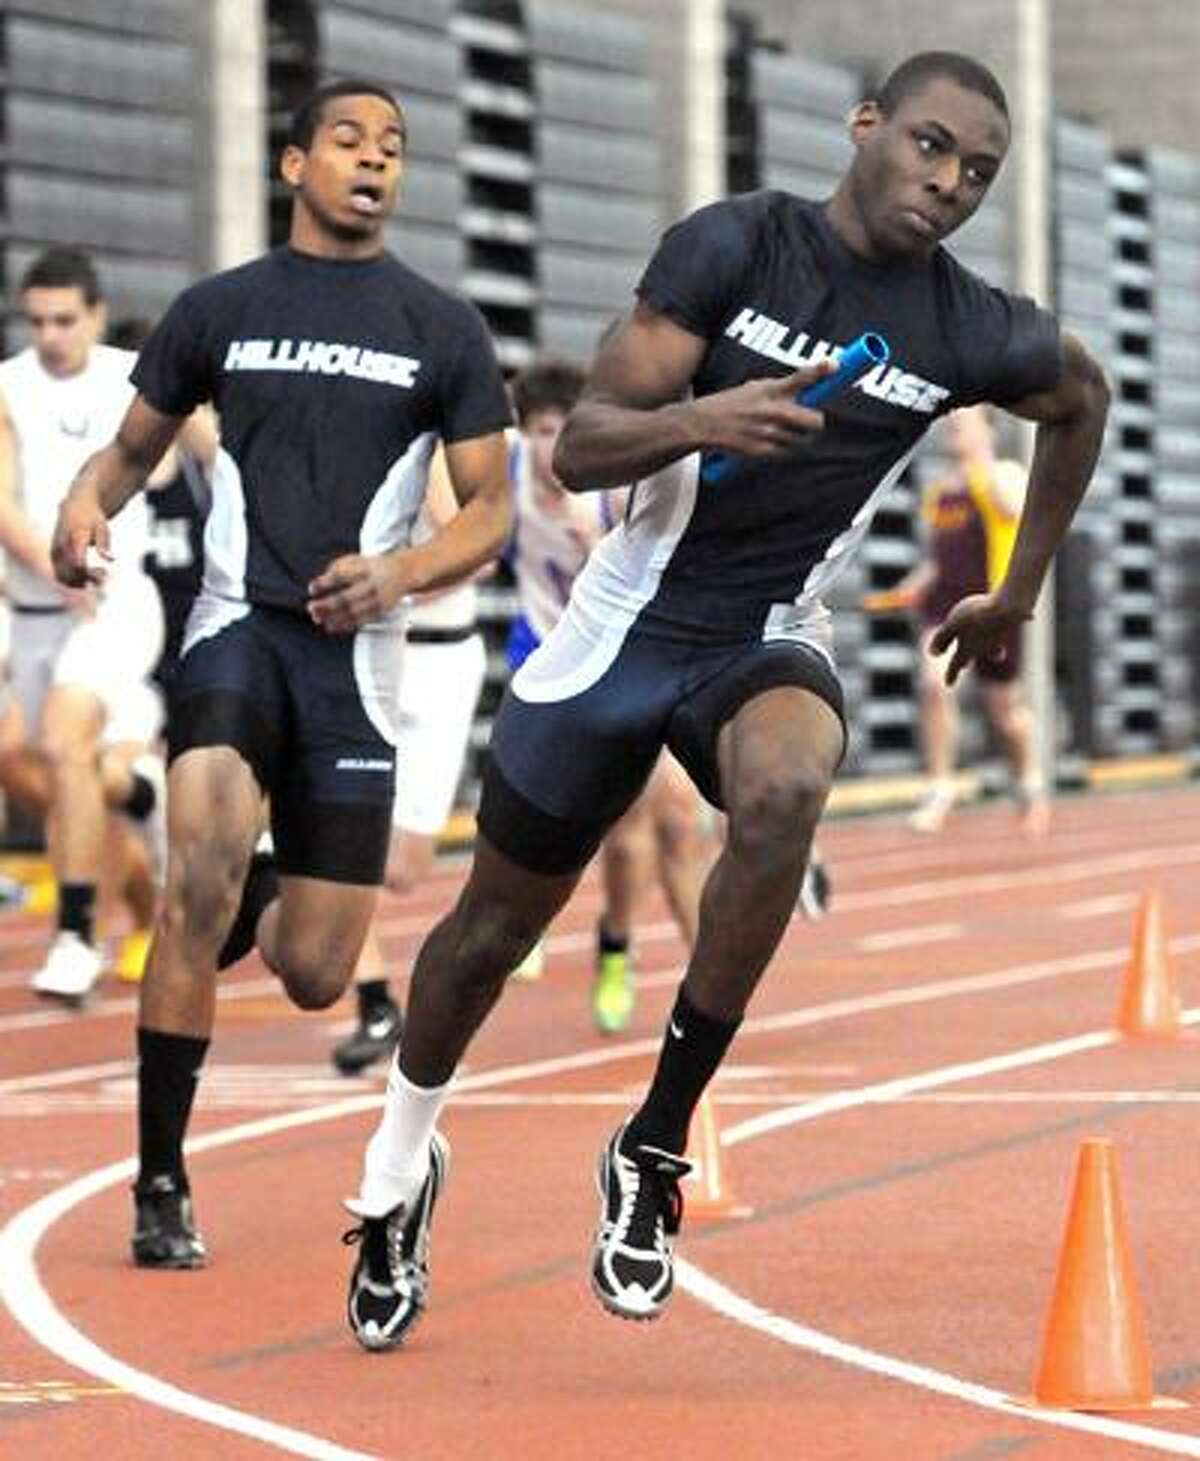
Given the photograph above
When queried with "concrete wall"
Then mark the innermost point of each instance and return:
(1130, 68)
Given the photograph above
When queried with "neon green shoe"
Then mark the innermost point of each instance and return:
(613, 993)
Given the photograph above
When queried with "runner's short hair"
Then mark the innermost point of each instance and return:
(918, 71)
(307, 116)
(64, 268)
(550, 383)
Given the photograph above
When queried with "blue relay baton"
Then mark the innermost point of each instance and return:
(854, 360)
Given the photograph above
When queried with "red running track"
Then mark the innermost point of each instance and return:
(902, 1110)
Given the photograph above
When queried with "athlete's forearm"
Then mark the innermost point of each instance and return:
(604, 445)
(1064, 457)
(473, 537)
(113, 475)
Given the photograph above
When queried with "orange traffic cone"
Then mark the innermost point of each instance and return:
(1094, 1353)
(1150, 1004)
(705, 1195)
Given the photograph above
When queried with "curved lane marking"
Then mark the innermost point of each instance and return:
(30, 1304)
(723, 1300)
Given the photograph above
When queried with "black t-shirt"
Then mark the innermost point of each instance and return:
(333, 380)
(765, 280)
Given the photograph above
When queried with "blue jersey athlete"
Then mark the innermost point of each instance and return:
(335, 370)
(698, 624)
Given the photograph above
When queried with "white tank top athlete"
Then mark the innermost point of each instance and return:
(57, 424)
(553, 536)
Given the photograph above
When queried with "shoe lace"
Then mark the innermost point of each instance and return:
(652, 1204)
(385, 1241)
(376, 1236)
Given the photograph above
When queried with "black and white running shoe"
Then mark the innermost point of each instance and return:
(375, 1036)
(390, 1283)
(640, 1211)
(164, 1234)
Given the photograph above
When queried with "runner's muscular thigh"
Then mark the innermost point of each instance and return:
(778, 754)
(215, 815)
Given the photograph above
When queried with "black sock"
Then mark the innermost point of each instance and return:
(373, 995)
(260, 888)
(692, 1049)
(168, 1070)
(609, 943)
(77, 910)
(142, 796)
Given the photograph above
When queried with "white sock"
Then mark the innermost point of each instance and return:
(396, 1161)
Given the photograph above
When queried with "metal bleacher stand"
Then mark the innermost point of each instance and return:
(1090, 255)
(98, 149)
(569, 182)
(1138, 693)
(1128, 243)
(600, 167)
(98, 133)
(500, 226)
(1175, 230)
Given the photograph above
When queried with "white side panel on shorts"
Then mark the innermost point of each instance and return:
(619, 579)
(209, 616)
(225, 532)
(805, 622)
(378, 662)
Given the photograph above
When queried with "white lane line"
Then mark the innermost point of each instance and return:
(42, 1016)
(724, 1300)
(1165, 1097)
(22, 1291)
(909, 852)
(901, 1086)
(711, 1292)
(899, 895)
(22, 1108)
(903, 938)
(1098, 907)
(896, 894)
(910, 994)
(74, 1076)
(33, 1308)
(1051, 875)
(905, 1086)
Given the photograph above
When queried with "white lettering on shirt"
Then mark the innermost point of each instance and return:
(320, 357)
(770, 338)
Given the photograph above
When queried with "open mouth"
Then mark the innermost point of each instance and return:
(366, 198)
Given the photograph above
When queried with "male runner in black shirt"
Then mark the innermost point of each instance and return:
(335, 370)
(698, 622)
